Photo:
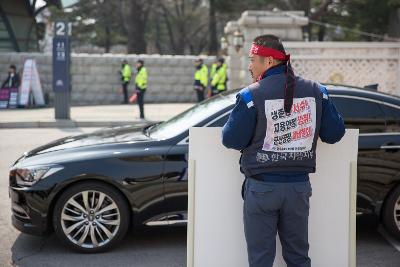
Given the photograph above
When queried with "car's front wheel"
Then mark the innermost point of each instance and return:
(391, 213)
(91, 217)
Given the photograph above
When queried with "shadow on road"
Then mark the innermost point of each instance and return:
(164, 246)
(372, 249)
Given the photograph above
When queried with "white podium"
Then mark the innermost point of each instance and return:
(215, 223)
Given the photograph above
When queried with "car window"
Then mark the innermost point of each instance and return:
(220, 122)
(391, 112)
(191, 117)
(392, 118)
(360, 114)
(351, 108)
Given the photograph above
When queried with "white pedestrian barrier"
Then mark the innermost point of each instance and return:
(215, 224)
(30, 83)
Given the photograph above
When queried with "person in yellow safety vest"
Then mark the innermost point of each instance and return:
(200, 79)
(213, 70)
(218, 82)
(141, 85)
(125, 78)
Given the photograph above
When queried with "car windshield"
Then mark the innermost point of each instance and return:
(189, 118)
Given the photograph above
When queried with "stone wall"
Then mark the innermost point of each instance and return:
(351, 63)
(95, 78)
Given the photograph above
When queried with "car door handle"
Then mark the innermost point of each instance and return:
(133, 181)
(390, 147)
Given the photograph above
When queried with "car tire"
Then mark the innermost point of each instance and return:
(391, 213)
(91, 217)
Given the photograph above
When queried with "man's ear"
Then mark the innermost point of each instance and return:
(268, 62)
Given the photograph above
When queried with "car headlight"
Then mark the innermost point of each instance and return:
(28, 176)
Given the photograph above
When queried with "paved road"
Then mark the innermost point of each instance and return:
(152, 247)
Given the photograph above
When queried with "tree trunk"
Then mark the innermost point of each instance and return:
(394, 23)
(136, 41)
(135, 14)
(212, 28)
(305, 5)
(320, 11)
(105, 22)
(158, 34)
(180, 12)
(169, 28)
(107, 41)
(321, 33)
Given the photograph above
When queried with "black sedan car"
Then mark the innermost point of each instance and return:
(91, 188)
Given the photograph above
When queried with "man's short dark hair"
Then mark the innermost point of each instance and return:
(13, 67)
(221, 60)
(140, 61)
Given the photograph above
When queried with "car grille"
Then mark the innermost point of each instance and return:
(20, 214)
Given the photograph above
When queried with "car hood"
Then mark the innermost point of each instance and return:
(120, 134)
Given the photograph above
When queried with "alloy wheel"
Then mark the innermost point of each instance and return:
(90, 219)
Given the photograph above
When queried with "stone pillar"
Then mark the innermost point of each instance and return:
(287, 25)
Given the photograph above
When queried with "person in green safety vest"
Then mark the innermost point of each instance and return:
(141, 85)
(200, 79)
(125, 78)
(218, 82)
(213, 70)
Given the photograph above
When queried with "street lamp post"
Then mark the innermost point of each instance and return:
(224, 45)
(238, 40)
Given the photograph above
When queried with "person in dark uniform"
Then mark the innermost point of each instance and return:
(13, 79)
(200, 79)
(276, 123)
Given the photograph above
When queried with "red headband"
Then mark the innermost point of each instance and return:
(268, 52)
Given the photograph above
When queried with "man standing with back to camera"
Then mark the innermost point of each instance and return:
(275, 124)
